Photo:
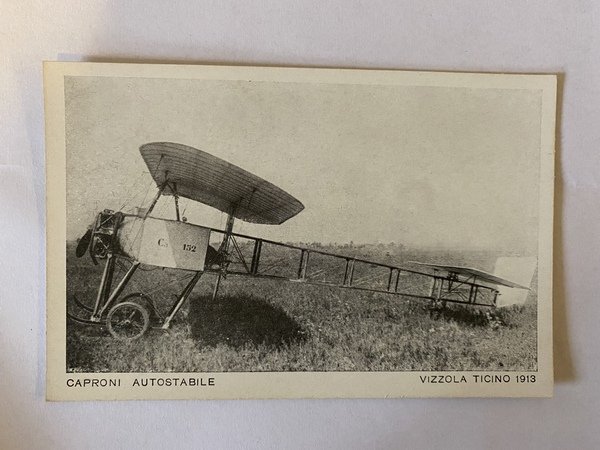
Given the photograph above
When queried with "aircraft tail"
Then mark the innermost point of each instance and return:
(518, 269)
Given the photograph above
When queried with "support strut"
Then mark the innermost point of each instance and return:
(182, 298)
(224, 247)
(105, 283)
(96, 317)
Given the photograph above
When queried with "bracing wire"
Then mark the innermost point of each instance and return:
(156, 287)
(147, 192)
(139, 192)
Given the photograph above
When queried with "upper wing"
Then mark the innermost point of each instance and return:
(200, 176)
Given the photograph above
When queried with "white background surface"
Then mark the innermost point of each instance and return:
(514, 36)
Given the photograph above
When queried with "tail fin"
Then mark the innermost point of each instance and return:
(521, 271)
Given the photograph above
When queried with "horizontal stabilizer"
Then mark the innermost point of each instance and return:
(480, 275)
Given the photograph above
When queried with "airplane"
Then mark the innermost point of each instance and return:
(181, 171)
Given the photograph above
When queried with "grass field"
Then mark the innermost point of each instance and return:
(268, 325)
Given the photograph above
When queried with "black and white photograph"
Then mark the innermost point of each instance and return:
(226, 220)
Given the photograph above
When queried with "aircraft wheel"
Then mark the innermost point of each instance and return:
(128, 321)
(145, 301)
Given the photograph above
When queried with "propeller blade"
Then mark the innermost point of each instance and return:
(83, 244)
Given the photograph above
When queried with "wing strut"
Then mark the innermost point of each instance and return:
(223, 250)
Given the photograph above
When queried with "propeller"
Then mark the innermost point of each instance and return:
(84, 243)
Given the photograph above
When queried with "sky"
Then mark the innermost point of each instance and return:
(418, 165)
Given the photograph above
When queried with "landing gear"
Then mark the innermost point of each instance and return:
(130, 318)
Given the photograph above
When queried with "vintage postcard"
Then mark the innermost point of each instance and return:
(224, 232)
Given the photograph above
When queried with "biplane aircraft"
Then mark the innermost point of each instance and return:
(180, 171)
